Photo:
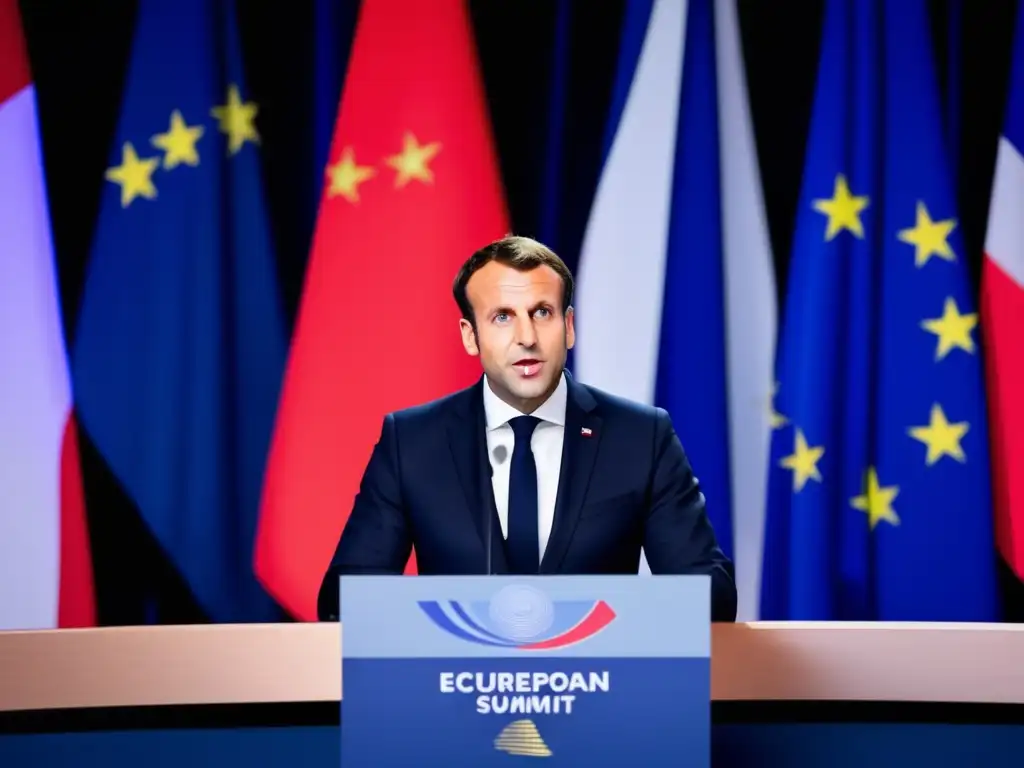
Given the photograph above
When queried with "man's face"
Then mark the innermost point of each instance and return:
(521, 335)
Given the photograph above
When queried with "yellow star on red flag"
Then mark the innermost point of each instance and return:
(346, 176)
(412, 162)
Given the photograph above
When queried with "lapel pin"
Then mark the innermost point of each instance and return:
(587, 432)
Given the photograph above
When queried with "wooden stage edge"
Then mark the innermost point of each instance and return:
(261, 663)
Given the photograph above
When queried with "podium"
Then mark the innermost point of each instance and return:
(811, 694)
(482, 671)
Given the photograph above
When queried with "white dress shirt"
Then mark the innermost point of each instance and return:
(547, 454)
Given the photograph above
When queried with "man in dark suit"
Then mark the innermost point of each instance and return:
(528, 471)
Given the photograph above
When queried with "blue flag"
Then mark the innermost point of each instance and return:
(693, 322)
(879, 502)
(180, 343)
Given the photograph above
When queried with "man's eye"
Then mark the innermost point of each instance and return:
(501, 317)
(542, 312)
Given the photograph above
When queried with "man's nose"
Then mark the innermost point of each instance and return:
(526, 336)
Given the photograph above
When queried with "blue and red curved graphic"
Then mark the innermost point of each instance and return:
(520, 618)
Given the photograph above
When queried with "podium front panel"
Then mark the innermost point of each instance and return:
(581, 670)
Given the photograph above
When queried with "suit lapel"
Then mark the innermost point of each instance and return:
(468, 443)
(579, 452)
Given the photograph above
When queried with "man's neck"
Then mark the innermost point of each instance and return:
(549, 407)
(525, 407)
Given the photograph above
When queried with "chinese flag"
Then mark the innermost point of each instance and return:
(412, 189)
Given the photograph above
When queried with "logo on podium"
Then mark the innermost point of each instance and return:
(520, 617)
(522, 738)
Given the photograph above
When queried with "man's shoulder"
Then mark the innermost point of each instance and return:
(622, 407)
(439, 409)
(629, 423)
(462, 402)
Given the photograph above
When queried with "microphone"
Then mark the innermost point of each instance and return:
(490, 517)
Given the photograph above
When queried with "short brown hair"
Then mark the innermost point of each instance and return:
(521, 253)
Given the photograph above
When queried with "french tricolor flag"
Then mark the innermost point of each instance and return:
(46, 576)
(676, 297)
(1002, 321)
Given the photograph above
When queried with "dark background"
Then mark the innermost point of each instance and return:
(548, 67)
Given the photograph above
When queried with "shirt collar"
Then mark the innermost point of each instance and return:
(552, 410)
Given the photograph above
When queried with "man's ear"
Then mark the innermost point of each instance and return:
(468, 337)
(570, 328)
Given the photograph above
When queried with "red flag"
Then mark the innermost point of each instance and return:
(44, 540)
(1002, 321)
(412, 190)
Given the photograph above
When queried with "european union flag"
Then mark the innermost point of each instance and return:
(180, 343)
(879, 502)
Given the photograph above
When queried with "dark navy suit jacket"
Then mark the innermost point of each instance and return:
(625, 485)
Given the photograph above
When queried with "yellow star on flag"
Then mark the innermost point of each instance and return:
(941, 437)
(876, 501)
(346, 176)
(237, 120)
(929, 238)
(179, 142)
(776, 419)
(803, 461)
(411, 162)
(843, 210)
(134, 175)
(953, 329)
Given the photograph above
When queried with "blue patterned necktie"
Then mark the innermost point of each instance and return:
(523, 542)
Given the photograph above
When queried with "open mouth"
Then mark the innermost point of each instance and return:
(528, 367)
